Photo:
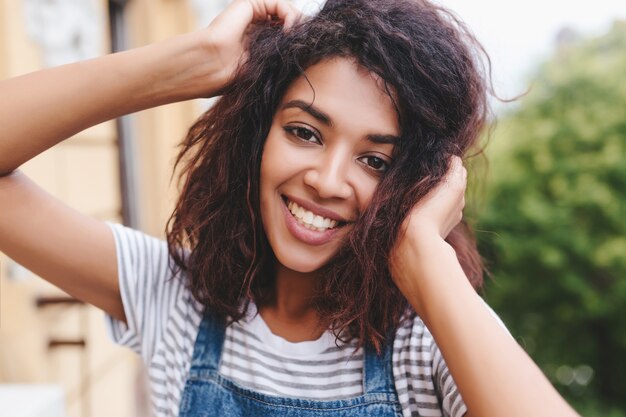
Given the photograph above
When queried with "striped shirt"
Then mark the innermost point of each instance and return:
(163, 320)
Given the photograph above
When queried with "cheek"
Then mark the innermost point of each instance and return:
(269, 160)
(281, 161)
(365, 192)
(276, 170)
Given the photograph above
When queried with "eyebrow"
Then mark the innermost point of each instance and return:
(325, 119)
(310, 109)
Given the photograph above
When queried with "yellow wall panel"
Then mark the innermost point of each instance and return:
(90, 178)
(23, 55)
(83, 172)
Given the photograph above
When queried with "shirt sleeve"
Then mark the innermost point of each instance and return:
(147, 289)
(423, 381)
(452, 403)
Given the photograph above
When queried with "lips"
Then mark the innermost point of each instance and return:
(309, 219)
(307, 226)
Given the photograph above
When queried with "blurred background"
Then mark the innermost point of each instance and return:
(549, 206)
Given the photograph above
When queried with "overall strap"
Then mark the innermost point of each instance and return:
(378, 369)
(208, 347)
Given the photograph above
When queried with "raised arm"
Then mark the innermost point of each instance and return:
(493, 373)
(41, 109)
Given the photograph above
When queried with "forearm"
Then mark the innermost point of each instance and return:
(494, 374)
(41, 109)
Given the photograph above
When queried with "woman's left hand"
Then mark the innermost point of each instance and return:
(476, 348)
(225, 36)
(421, 242)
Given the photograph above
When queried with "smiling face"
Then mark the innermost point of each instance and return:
(324, 156)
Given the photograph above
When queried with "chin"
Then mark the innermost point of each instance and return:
(300, 262)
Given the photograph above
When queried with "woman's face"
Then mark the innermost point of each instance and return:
(325, 154)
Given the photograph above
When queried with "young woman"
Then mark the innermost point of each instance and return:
(316, 263)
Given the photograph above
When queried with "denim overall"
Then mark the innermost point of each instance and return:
(207, 393)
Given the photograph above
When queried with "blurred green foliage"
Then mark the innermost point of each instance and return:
(553, 228)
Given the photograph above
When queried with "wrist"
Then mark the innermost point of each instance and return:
(417, 262)
(178, 69)
(443, 283)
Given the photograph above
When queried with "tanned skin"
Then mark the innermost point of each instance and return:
(77, 253)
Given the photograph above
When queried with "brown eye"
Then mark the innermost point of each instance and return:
(302, 133)
(375, 163)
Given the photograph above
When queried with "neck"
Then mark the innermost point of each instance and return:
(291, 313)
(294, 292)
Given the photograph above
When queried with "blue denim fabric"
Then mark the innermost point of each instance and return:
(209, 394)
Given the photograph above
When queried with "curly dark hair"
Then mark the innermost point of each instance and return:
(433, 69)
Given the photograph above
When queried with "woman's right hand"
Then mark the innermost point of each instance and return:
(70, 98)
(71, 250)
(224, 38)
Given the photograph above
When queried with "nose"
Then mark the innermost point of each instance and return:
(328, 175)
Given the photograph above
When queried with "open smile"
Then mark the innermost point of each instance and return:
(310, 227)
(310, 220)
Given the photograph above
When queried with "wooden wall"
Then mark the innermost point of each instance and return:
(84, 172)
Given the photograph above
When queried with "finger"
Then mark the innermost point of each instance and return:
(456, 166)
(235, 18)
(282, 9)
(290, 15)
(457, 174)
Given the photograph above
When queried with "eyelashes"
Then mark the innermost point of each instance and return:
(374, 163)
(304, 134)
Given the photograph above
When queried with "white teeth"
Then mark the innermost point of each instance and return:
(318, 222)
(310, 220)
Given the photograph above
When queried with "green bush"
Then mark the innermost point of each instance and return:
(553, 228)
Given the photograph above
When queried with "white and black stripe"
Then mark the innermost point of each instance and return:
(163, 321)
(331, 374)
